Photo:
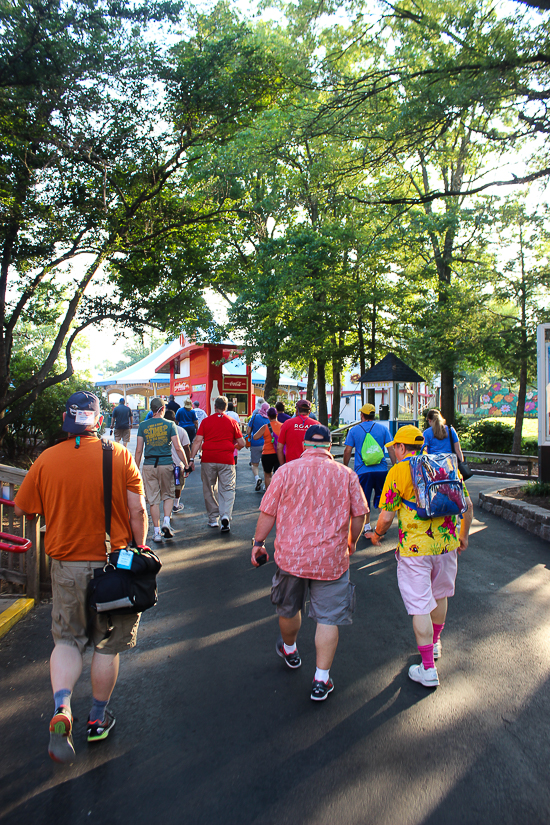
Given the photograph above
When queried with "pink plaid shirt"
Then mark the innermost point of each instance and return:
(313, 499)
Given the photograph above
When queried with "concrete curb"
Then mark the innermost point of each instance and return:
(534, 519)
(10, 617)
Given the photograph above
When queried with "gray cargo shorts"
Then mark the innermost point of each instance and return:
(330, 602)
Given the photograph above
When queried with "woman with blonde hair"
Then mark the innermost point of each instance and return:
(439, 438)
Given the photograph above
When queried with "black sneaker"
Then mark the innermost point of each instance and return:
(292, 659)
(167, 531)
(100, 730)
(320, 690)
(225, 528)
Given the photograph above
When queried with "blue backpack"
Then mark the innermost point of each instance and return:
(437, 485)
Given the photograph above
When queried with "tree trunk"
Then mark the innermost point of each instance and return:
(310, 380)
(447, 395)
(322, 392)
(336, 391)
(272, 374)
(362, 363)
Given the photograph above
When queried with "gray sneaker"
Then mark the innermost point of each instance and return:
(61, 748)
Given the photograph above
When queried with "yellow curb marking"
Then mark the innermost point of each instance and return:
(10, 617)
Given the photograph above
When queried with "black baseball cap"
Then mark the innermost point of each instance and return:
(318, 434)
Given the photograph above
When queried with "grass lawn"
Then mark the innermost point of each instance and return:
(530, 425)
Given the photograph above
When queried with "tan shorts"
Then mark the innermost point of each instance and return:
(70, 618)
(159, 482)
(122, 435)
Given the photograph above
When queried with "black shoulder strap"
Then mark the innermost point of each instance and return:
(107, 490)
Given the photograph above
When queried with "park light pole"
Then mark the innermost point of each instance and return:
(543, 372)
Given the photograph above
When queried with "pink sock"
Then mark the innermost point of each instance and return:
(437, 631)
(427, 653)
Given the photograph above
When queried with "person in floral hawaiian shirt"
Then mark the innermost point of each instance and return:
(426, 554)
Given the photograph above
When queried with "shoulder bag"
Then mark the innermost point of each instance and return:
(463, 466)
(128, 581)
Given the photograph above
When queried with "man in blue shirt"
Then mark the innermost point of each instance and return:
(372, 476)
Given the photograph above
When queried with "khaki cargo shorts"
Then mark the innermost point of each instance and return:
(123, 435)
(109, 635)
(159, 482)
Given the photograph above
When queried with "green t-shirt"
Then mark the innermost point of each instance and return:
(157, 434)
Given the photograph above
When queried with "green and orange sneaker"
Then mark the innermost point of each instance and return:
(100, 730)
(61, 748)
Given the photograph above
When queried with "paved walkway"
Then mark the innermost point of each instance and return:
(212, 729)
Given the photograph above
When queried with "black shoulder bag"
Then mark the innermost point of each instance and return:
(128, 581)
(463, 466)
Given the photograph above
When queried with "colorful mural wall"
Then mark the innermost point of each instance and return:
(501, 400)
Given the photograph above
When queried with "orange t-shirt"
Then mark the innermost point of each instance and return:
(65, 485)
(269, 442)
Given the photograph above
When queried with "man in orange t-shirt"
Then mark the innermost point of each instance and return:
(270, 462)
(65, 485)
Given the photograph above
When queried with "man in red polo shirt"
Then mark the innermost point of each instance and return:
(217, 437)
(290, 444)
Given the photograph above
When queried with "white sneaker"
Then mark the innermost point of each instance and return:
(437, 649)
(157, 537)
(177, 508)
(167, 531)
(225, 528)
(258, 486)
(213, 522)
(428, 678)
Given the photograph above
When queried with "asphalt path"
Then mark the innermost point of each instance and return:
(212, 727)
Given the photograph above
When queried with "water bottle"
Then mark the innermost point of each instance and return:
(177, 474)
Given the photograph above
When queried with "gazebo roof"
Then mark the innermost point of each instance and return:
(391, 368)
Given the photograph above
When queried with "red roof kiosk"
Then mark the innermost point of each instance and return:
(196, 373)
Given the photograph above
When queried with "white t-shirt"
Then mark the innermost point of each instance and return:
(184, 441)
(200, 414)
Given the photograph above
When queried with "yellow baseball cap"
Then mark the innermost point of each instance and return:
(409, 435)
(367, 409)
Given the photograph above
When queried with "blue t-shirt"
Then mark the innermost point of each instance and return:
(186, 418)
(355, 437)
(255, 423)
(149, 415)
(439, 445)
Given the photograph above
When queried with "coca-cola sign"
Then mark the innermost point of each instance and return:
(237, 383)
(181, 386)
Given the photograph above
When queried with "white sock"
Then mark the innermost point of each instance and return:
(257, 478)
(321, 675)
(157, 531)
(368, 528)
(176, 502)
(166, 521)
(289, 648)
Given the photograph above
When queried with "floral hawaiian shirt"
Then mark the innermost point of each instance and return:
(417, 537)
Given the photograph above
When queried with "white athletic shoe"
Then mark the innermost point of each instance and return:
(213, 522)
(437, 649)
(157, 537)
(427, 677)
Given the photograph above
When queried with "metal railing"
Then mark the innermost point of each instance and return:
(503, 458)
(25, 563)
